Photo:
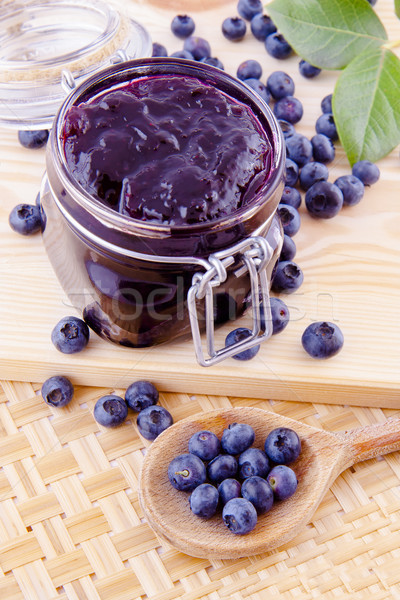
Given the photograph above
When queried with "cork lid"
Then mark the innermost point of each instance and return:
(48, 47)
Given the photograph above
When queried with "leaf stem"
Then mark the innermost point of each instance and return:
(390, 45)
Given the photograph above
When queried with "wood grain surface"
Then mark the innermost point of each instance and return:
(350, 263)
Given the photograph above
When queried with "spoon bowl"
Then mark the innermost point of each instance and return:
(323, 457)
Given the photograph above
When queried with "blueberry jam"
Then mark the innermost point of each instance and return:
(167, 149)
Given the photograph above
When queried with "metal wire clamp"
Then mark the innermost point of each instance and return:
(252, 255)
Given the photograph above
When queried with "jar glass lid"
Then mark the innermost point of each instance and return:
(49, 47)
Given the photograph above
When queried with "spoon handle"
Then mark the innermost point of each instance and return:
(371, 441)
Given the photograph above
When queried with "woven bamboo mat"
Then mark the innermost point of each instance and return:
(71, 526)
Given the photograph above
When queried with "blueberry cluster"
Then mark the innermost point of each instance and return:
(307, 160)
(194, 47)
(112, 410)
(141, 397)
(232, 475)
(261, 26)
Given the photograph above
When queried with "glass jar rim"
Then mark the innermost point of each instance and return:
(46, 49)
(160, 65)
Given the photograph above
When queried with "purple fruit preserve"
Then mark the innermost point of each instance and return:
(156, 170)
(167, 149)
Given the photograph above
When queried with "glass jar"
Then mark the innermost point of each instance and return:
(47, 48)
(138, 283)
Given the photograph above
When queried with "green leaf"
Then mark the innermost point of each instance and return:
(366, 105)
(328, 33)
(397, 8)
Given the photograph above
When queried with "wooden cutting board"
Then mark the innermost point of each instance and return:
(351, 270)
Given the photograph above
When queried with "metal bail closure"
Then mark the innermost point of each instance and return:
(254, 254)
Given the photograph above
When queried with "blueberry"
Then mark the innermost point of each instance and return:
(282, 445)
(253, 461)
(290, 219)
(153, 420)
(277, 46)
(213, 61)
(57, 391)
(186, 472)
(283, 482)
(237, 437)
(234, 29)
(286, 127)
(288, 277)
(182, 26)
(322, 339)
(280, 85)
(204, 500)
(258, 87)
(326, 104)
(223, 466)
(183, 54)
(249, 8)
(324, 200)
(110, 410)
(205, 445)
(308, 70)
(249, 69)
(289, 109)
(239, 515)
(261, 26)
(291, 196)
(258, 491)
(298, 149)
(140, 395)
(198, 47)
(322, 148)
(288, 251)
(366, 171)
(25, 219)
(326, 124)
(33, 139)
(228, 489)
(159, 50)
(279, 315)
(311, 173)
(238, 335)
(372, 2)
(70, 335)
(352, 189)
(292, 172)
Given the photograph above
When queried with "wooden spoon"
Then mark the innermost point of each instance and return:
(323, 457)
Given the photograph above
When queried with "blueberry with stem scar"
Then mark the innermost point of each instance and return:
(186, 472)
(110, 410)
(205, 445)
(57, 391)
(282, 445)
(283, 482)
(239, 515)
(153, 420)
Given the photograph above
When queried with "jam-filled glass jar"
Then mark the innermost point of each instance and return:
(182, 260)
